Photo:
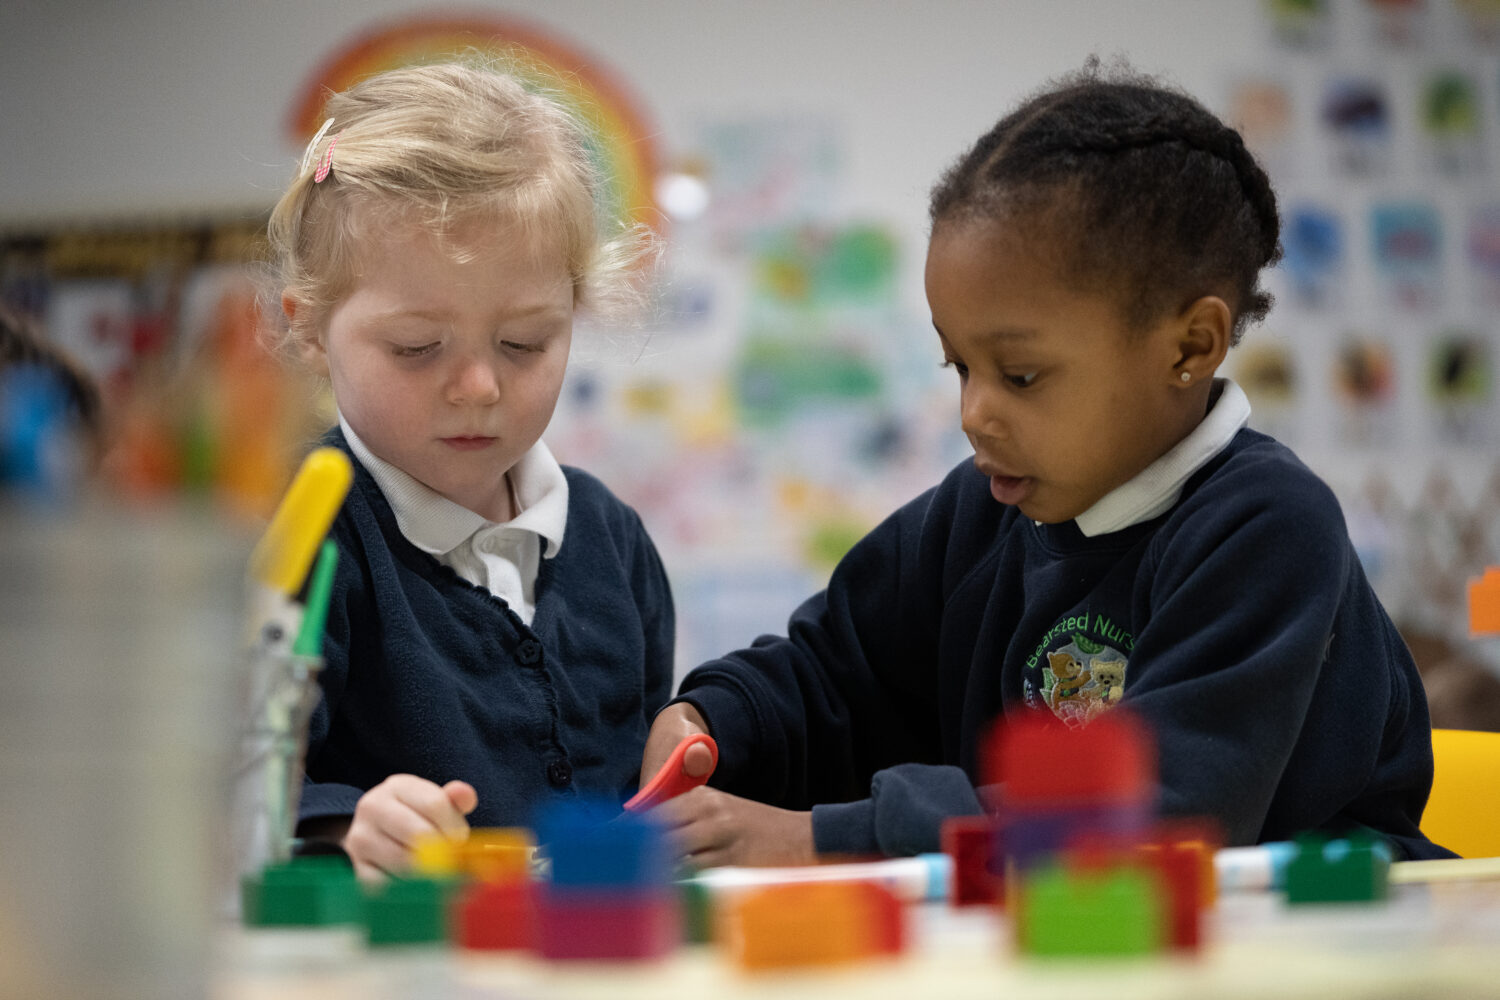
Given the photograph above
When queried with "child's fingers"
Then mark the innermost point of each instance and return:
(462, 796)
(430, 803)
(698, 761)
(671, 726)
(374, 852)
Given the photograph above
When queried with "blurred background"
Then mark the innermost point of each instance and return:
(783, 394)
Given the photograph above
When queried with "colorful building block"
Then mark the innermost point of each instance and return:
(611, 894)
(302, 892)
(813, 924)
(495, 916)
(1484, 603)
(411, 910)
(1061, 783)
(594, 846)
(575, 924)
(1182, 854)
(1356, 870)
(970, 841)
(500, 854)
(1112, 911)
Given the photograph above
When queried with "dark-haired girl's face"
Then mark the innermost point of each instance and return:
(1060, 398)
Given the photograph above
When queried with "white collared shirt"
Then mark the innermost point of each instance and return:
(503, 557)
(1155, 488)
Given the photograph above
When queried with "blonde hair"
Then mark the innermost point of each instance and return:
(443, 146)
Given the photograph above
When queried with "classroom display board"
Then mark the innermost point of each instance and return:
(1379, 123)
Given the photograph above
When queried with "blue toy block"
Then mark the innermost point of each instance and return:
(594, 847)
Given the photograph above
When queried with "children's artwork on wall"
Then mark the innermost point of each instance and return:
(1300, 24)
(1398, 24)
(1481, 21)
(1482, 250)
(764, 173)
(1365, 384)
(1268, 372)
(1314, 255)
(1407, 247)
(1450, 116)
(1461, 386)
(1261, 109)
(1356, 116)
(94, 319)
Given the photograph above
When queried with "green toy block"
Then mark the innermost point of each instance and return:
(697, 912)
(1356, 870)
(411, 910)
(303, 892)
(1097, 913)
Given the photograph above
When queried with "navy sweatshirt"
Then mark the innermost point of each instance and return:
(430, 675)
(1238, 624)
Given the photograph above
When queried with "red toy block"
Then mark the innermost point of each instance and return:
(495, 916)
(1180, 870)
(1199, 837)
(813, 924)
(1043, 763)
(970, 842)
(574, 924)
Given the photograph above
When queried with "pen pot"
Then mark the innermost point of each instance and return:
(281, 692)
(118, 632)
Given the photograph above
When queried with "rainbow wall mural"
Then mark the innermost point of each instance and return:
(620, 139)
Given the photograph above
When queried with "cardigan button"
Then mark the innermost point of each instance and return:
(529, 652)
(560, 773)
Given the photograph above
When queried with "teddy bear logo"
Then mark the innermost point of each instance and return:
(1082, 685)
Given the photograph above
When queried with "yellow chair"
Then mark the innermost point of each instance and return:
(1463, 812)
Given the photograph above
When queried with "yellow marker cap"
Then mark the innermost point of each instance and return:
(285, 552)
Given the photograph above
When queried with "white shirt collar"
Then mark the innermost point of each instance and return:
(1155, 488)
(437, 525)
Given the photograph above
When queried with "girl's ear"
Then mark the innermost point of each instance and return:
(310, 349)
(1203, 341)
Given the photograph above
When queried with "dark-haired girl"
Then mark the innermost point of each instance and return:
(1120, 534)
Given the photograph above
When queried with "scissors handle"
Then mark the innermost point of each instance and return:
(672, 780)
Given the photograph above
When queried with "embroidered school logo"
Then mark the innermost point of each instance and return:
(1082, 667)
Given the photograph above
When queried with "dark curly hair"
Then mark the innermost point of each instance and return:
(1148, 193)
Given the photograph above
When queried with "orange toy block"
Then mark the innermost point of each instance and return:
(1484, 603)
(813, 924)
(501, 854)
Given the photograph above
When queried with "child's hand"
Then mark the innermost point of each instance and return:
(674, 724)
(389, 818)
(712, 827)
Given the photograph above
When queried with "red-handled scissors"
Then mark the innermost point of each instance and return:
(672, 780)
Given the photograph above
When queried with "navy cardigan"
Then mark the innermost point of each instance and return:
(430, 675)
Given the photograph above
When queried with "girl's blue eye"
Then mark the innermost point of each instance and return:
(1021, 381)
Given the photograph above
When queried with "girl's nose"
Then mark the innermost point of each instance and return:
(473, 383)
(978, 416)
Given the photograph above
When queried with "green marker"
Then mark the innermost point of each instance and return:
(309, 640)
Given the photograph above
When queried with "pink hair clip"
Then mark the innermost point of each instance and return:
(325, 165)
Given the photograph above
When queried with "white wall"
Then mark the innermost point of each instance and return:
(177, 106)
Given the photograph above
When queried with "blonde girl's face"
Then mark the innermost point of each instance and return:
(1060, 400)
(449, 367)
